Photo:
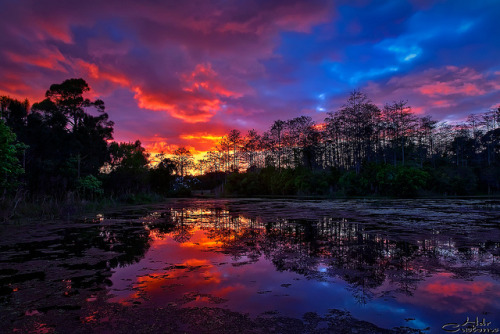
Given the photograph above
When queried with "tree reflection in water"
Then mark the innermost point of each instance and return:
(372, 262)
(258, 259)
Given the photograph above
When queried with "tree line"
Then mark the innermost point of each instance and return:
(362, 149)
(62, 147)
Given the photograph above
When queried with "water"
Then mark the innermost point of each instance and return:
(420, 264)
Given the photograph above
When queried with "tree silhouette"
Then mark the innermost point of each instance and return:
(183, 160)
(66, 136)
(234, 138)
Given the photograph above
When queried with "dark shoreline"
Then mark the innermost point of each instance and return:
(27, 210)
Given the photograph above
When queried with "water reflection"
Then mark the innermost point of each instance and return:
(430, 264)
(212, 257)
(51, 270)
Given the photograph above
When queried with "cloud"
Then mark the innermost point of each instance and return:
(448, 91)
(48, 58)
(186, 70)
(450, 88)
(453, 80)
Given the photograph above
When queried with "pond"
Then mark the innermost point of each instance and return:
(249, 265)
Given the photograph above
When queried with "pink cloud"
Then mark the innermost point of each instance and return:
(198, 97)
(440, 91)
(444, 81)
(186, 67)
(204, 78)
(442, 292)
(47, 58)
(442, 103)
(450, 88)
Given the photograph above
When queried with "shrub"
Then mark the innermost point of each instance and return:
(89, 186)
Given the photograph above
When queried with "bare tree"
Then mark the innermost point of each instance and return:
(277, 134)
(234, 139)
(183, 159)
(251, 143)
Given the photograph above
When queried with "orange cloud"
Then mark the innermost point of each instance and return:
(202, 138)
(16, 87)
(418, 110)
(197, 101)
(157, 144)
(161, 147)
(187, 107)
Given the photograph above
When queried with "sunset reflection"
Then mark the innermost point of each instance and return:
(211, 257)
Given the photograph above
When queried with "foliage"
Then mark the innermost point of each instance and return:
(351, 184)
(162, 176)
(128, 155)
(271, 181)
(90, 187)
(451, 180)
(210, 180)
(408, 181)
(66, 136)
(127, 171)
(10, 167)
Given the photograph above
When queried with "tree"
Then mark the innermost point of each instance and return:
(10, 168)
(224, 149)
(401, 121)
(183, 159)
(425, 139)
(214, 161)
(67, 98)
(90, 186)
(202, 166)
(127, 170)
(67, 135)
(88, 134)
(276, 134)
(354, 130)
(128, 155)
(251, 143)
(14, 112)
(234, 138)
(491, 140)
(162, 174)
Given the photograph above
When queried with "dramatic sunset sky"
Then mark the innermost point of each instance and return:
(180, 73)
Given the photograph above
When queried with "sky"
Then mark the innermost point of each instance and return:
(184, 73)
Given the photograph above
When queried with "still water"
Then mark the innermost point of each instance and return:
(421, 264)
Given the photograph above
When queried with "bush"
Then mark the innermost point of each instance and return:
(89, 186)
(401, 181)
(453, 180)
(408, 181)
(351, 185)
